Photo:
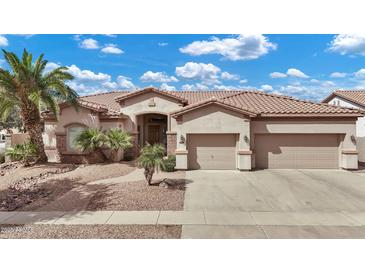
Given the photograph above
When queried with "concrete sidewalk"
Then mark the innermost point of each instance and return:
(201, 218)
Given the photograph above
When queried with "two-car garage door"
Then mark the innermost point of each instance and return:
(297, 150)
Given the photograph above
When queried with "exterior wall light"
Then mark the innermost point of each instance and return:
(353, 139)
(246, 139)
(182, 139)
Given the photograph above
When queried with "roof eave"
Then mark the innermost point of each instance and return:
(312, 115)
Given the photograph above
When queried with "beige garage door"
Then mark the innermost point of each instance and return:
(297, 150)
(212, 151)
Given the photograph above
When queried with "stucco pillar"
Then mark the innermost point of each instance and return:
(181, 151)
(349, 159)
(244, 153)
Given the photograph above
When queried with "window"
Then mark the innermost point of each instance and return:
(72, 133)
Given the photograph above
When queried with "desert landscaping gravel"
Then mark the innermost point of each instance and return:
(90, 232)
(53, 186)
(138, 195)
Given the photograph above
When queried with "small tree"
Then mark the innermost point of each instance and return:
(151, 159)
(116, 139)
(91, 139)
(26, 152)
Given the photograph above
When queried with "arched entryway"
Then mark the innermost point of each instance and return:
(152, 129)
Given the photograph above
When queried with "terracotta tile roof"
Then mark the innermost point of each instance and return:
(105, 99)
(197, 96)
(355, 96)
(254, 102)
(278, 105)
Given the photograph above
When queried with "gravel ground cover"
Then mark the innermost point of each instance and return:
(90, 232)
(46, 184)
(139, 196)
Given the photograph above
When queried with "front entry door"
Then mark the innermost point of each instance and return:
(154, 134)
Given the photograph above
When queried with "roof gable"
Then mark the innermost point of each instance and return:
(213, 101)
(154, 90)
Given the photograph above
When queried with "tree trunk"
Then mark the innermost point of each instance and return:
(33, 126)
(148, 174)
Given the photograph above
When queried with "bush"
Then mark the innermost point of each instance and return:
(26, 152)
(169, 163)
(2, 158)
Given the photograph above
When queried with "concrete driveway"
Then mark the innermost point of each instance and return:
(276, 204)
(275, 191)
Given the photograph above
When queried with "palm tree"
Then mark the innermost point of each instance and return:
(28, 89)
(116, 139)
(151, 159)
(91, 139)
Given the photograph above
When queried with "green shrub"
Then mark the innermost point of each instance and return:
(169, 163)
(2, 158)
(26, 152)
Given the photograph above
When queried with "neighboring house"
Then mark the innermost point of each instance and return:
(352, 99)
(215, 129)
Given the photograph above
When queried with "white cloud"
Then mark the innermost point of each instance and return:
(207, 73)
(328, 84)
(125, 82)
(348, 44)
(165, 86)
(243, 81)
(50, 66)
(242, 47)
(228, 76)
(163, 44)
(160, 77)
(267, 88)
(338, 74)
(3, 41)
(296, 73)
(88, 75)
(224, 87)
(112, 49)
(196, 86)
(360, 73)
(89, 44)
(314, 81)
(277, 75)
(110, 85)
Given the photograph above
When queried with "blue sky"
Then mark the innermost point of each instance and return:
(303, 66)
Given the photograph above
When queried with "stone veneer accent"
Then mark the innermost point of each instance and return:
(171, 143)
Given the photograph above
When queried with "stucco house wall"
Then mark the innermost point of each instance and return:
(55, 133)
(360, 124)
(148, 103)
(213, 119)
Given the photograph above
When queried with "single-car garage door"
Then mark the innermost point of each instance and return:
(297, 150)
(212, 151)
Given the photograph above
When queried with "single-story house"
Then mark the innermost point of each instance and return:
(352, 99)
(239, 130)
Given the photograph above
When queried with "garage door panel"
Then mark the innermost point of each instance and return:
(212, 151)
(297, 151)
